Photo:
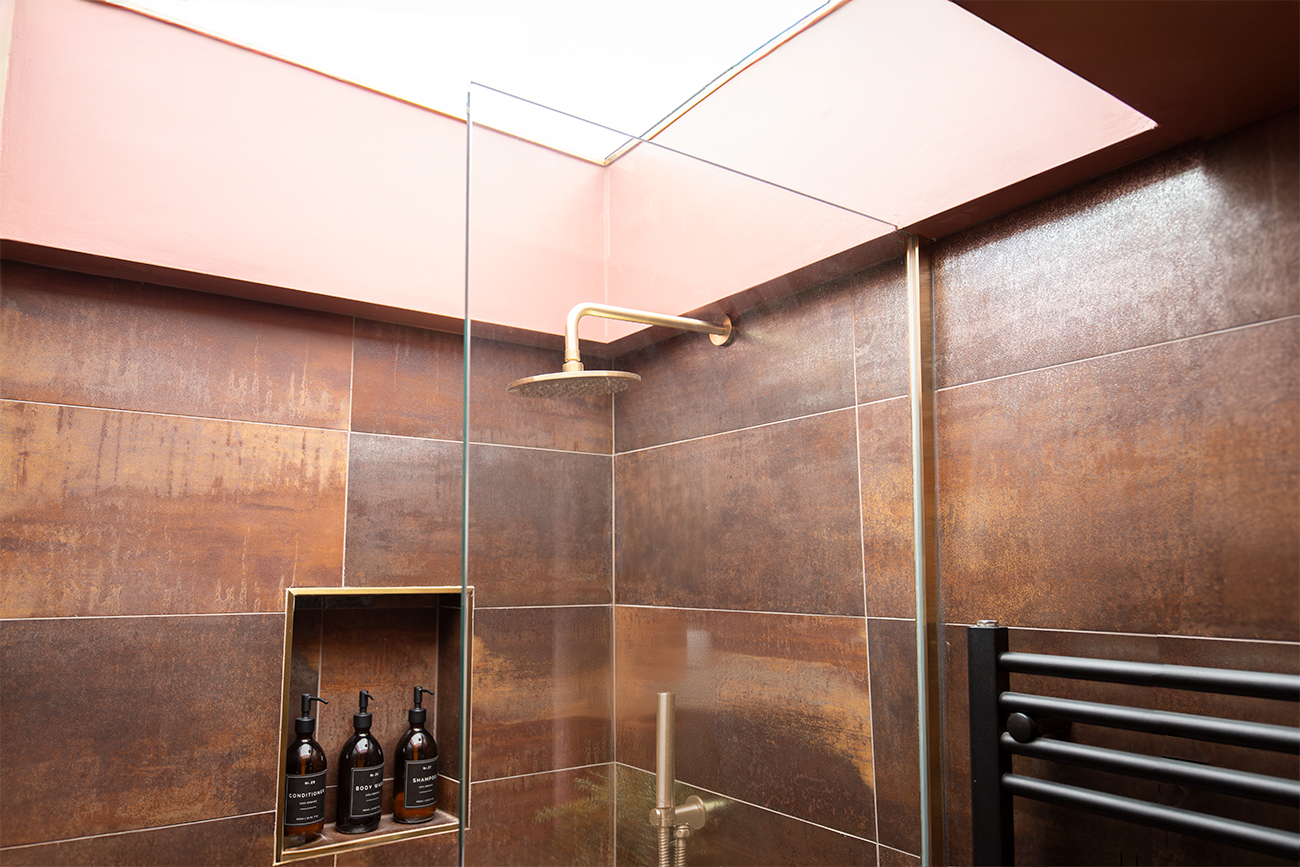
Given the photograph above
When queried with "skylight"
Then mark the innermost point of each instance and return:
(629, 66)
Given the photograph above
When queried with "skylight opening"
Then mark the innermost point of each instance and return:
(632, 67)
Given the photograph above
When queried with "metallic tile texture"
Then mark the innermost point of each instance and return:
(95, 341)
(885, 468)
(1199, 239)
(143, 722)
(789, 358)
(559, 818)
(771, 709)
(894, 732)
(723, 522)
(542, 690)
(128, 513)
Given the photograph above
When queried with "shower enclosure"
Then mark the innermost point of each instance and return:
(735, 528)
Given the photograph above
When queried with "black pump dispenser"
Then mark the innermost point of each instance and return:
(306, 724)
(361, 775)
(362, 718)
(415, 777)
(304, 780)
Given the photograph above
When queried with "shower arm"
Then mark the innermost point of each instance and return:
(720, 334)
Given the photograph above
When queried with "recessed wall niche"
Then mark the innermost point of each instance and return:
(339, 641)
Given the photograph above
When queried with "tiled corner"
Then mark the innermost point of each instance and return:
(542, 690)
(723, 522)
(790, 358)
(561, 817)
(771, 709)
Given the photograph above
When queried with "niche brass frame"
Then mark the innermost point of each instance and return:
(332, 843)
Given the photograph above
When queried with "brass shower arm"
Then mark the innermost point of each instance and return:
(720, 334)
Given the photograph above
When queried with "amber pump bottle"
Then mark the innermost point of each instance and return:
(361, 776)
(415, 777)
(304, 781)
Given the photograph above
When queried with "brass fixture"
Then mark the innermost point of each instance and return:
(674, 824)
(575, 381)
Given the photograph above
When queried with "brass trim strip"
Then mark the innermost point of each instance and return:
(920, 333)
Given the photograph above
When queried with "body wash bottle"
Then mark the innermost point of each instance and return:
(415, 776)
(361, 776)
(304, 781)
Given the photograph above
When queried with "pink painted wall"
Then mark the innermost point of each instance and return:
(131, 139)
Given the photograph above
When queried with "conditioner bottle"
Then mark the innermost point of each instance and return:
(415, 775)
(304, 781)
(361, 776)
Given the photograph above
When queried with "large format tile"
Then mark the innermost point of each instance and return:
(1151, 491)
(539, 526)
(542, 690)
(772, 709)
(233, 842)
(96, 341)
(126, 513)
(410, 382)
(790, 358)
(561, 818)
(1209, 240)
(404, 512)
(169, 720)
(885, 461)
(880, 331)
(734, 832)
(762, 519)
(894, 732)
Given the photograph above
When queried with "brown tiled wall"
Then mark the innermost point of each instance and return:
(173, 462)
(1118, 424)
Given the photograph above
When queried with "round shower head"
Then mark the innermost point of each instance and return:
(574, 383)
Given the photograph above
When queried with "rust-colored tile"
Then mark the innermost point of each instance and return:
(127, 513)
(559, 818)
(387, 651)
(1242, 655)
(542, 690)
(577, 424)
(955, 708)
(894, 858)
(1065, 495)
(97, 341)
(539, 526)
(772, 709)
(233, 842)
(447, 732)
(880, 331)
(734, 832)
(409, 381)
(404, 512)
(790, 358)
(435, 850)
(1170, 472)
(173, 720)
(1191, 241)
(894, 732)
(761, 519)
(885, 458)
(1243, 563)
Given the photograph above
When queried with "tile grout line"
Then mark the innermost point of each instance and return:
(1118, 352)
(136, 831)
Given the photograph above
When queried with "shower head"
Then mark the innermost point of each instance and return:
(575, 381)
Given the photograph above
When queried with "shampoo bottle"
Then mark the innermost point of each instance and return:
(304, 781)
(415, 775)
(361, 776)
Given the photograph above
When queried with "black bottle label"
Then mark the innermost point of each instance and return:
(367, 791)
(304, 798)
(421, 784)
